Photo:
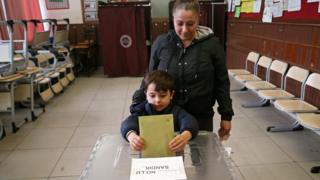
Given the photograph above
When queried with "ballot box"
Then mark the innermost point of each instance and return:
(204, 159)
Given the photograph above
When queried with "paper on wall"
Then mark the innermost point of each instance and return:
(268, 3)
(285, 5)
(257, 6)
(267, 15)
(277, 9)
(237, 2)
(237, 12)
(294, 5)
(247, 7)
(233, 6)
(311, 1)
(229, 5)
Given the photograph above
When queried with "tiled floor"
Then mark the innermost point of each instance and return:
(58, 144)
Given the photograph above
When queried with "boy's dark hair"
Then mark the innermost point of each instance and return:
(162, 80)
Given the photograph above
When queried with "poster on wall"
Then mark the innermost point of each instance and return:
(257, 6)
(90, 9)
(277, 9)
(90, 6)
(267, 15)
(57, 4)
(311, 1)
(294, 5)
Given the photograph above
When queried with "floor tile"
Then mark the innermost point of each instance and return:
(251, 151)
(62, 119)
(71, 105)
(72, 162)
(87, 136)
(116, 81)
(47, 138)
(237, 173)
(111, 94)
(4, 155)
(64, 178)
(32, 179)
(299, 145)
(275, 172)
(102, 118)
(245, 127)
(29, 164)
(107, 105)
(12, 140)
(272, 120)
(307, 167)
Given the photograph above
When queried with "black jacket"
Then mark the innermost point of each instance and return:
(182, 120)
(199, 71)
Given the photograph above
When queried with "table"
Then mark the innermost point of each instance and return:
(204, 159)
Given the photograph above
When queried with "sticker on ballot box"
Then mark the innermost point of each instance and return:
(165, 168)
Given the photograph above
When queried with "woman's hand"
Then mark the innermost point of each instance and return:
(136, 142)
(224, 131)
(179, 142)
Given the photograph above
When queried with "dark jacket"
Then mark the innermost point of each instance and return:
(200, 74)
(182, 120)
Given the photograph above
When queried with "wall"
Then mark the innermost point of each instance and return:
(295, 43)
(160, 8)
(74, 12)
(293, 39)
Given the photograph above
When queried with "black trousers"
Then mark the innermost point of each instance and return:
(205, 122)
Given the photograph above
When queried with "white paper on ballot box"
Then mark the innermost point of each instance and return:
(166, 168)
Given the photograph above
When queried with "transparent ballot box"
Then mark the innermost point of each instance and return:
(204, 159)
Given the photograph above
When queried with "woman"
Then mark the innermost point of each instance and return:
(196, 61)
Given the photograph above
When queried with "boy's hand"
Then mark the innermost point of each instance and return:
(179, 142)
(136, 142)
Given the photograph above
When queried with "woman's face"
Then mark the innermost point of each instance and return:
(185, 24)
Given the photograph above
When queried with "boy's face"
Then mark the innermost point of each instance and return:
(159, 100)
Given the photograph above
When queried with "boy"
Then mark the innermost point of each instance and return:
(159, 92)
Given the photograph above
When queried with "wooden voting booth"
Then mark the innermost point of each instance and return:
(124, 30)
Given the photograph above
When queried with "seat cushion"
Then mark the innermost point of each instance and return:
(259, 85)
(18, 57)
(246, 77)
(275, 94)
(234, 72)
(309, 120)
(294, 105)
(54, 75)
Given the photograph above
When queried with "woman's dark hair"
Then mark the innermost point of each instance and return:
(192, 5)
(162, 80)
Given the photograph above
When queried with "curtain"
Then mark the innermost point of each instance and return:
(123, 40)
(24, 9)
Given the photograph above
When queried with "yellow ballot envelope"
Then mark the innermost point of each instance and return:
(157, 131)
